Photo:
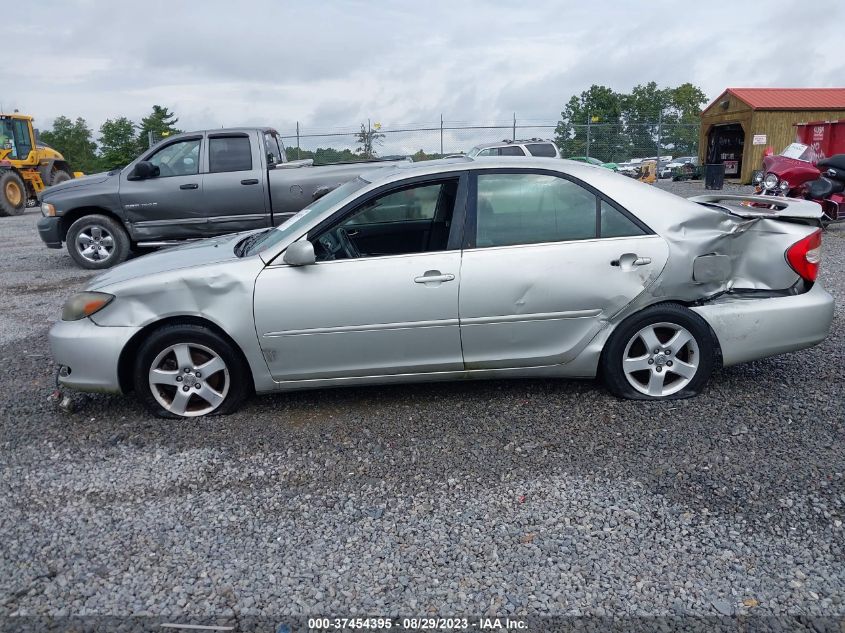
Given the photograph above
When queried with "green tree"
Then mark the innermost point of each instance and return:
(600, 106)
(367, 140)
(641, 111)
(625, 125)
(683, 119)
(74, 140)
(118, 143)
(161, 122)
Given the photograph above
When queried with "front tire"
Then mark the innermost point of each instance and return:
(58, 176)
(186, 371)
(12, 194)
(665, 352)
(97, 241)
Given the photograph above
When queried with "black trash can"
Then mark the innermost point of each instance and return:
(714, 176)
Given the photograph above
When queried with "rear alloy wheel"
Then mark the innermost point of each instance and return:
(660, 359)
(664, 352)
(97, 241)
(186, 371)
(12, 194)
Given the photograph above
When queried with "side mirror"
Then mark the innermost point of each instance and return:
(271, 160)
(144, 170)
(300, 254)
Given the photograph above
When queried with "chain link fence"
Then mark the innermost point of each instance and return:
(607, 142)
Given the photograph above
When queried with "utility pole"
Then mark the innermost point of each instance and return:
(659, 133)
(298, 153)
(514, 127)
(589, 122)
(441, 135)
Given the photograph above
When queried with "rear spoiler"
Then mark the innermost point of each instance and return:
(748, 206)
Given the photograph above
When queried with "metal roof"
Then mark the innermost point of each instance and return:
(787, 98)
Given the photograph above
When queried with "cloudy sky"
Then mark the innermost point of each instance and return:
(334, 63)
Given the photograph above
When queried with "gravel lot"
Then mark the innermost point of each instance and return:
(519, 497)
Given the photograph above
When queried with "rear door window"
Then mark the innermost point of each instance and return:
(546, 150)
(526, 208)
(614, 223)
(511, 150)
(229, 153)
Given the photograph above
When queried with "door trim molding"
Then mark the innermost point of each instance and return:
(536, 316)
(373, 327)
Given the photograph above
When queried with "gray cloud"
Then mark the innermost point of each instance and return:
(336, 63)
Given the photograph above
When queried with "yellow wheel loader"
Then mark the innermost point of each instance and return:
(26, 165)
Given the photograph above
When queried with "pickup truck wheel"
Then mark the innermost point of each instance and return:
(97, 241)
(665, 352)
(12, 193)
(187, 371)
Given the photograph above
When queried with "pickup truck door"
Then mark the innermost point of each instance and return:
(170, 205)
(235, 187)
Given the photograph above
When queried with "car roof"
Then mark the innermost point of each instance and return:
(516, 142)
(656, 207)
(399, 171)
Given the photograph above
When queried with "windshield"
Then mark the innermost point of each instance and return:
(7, 138)
(799, 151)
(285, 230)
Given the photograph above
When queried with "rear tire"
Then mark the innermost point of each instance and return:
(13, 194)
(664, 352)
(167, 390)
(97, 241)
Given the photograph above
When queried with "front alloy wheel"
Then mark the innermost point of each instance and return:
(97, 241)
(95, 244)
(189, 379)
(186, 370)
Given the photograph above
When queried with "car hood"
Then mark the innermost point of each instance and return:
(76, 183)
(191, 255)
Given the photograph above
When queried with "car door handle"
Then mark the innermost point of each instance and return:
(190, 185)
(249, 181)
(630, 260)
(433, 276)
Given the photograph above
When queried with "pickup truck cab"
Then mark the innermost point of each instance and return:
(189, 186)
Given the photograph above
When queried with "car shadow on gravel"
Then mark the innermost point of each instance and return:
(758, 436)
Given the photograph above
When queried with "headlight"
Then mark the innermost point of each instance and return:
(758, 177)
(784, 186)
(770, 181)
(47, 209)
(84, 304)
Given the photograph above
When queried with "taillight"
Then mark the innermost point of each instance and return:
(804, 256)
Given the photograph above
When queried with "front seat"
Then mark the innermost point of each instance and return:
(833, 166)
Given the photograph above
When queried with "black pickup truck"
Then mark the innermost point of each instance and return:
(189, 186)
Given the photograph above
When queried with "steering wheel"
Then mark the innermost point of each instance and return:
(347, 244)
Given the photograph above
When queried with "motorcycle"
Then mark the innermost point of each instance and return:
(797, 172)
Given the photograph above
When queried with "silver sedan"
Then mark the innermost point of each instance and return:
(457, 269)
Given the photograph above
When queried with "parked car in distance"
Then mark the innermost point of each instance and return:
(667, 170)
(452, 270)
(532, 147)
(595, 161)
(189, 186)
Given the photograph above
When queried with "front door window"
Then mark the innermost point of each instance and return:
(412, 220)
(178, 159)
